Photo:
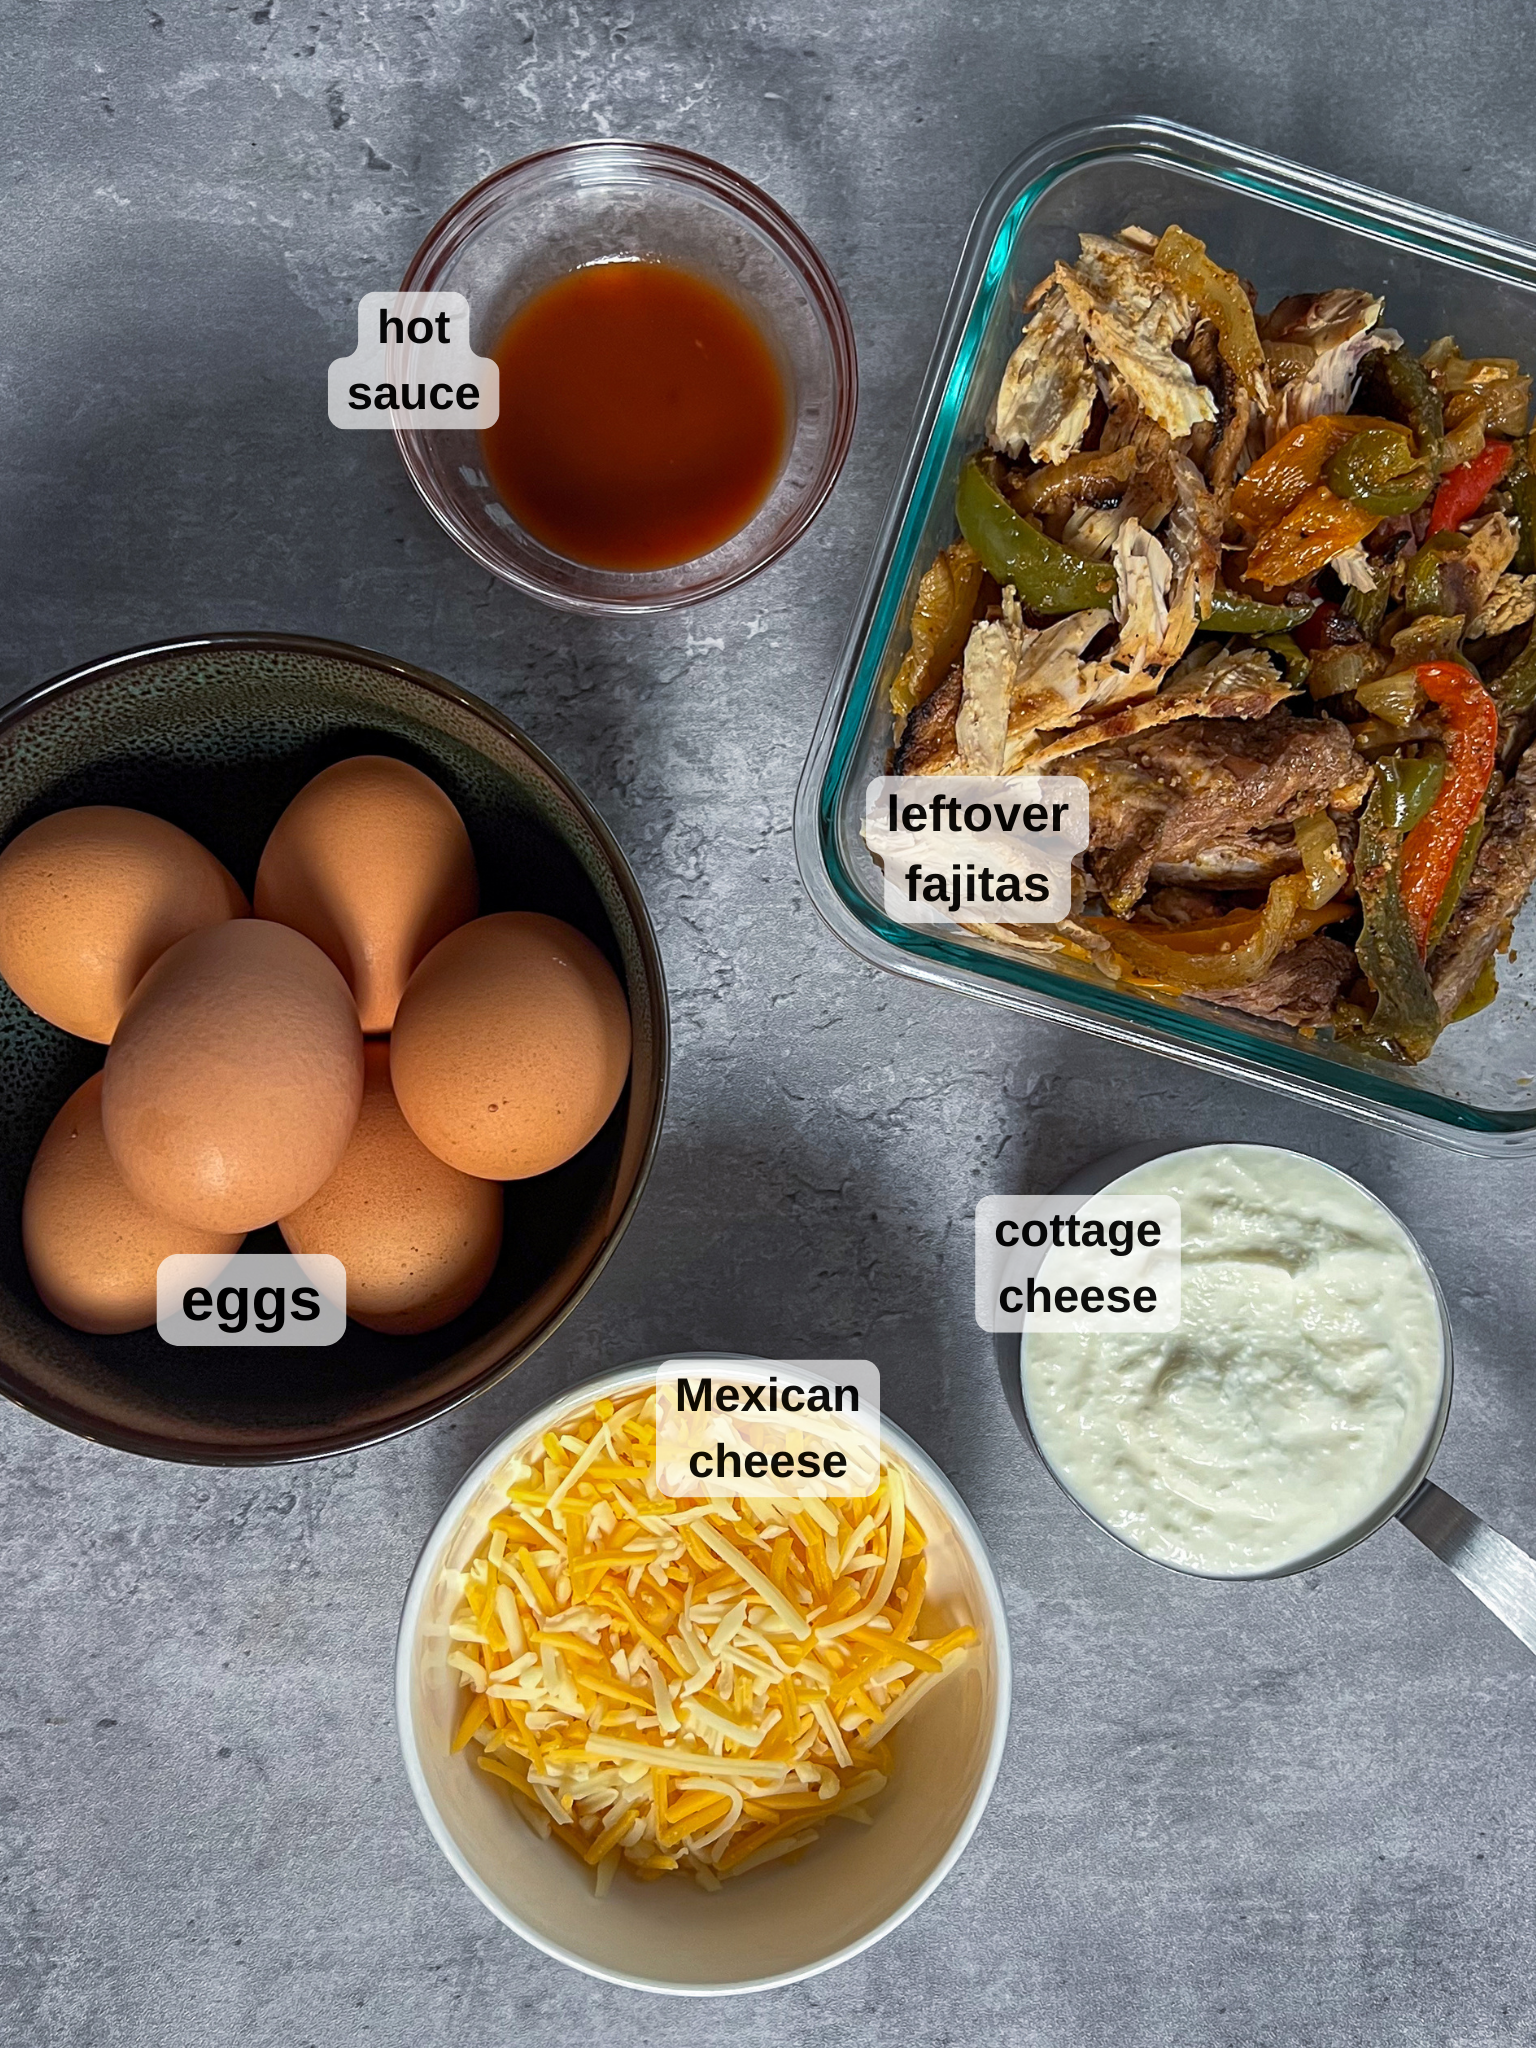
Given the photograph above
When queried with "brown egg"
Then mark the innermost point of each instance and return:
(90, 899)
(511, 1045)
(233, 1083)
(372, 862)
(418, 1239)
(92, 1247)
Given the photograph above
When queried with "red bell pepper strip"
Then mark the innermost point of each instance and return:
(1471, 744)
(1463, 490)
(1322, 630)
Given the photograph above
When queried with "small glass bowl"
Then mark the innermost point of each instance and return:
(587, 202)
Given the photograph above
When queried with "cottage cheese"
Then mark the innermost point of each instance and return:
(1294, 1399)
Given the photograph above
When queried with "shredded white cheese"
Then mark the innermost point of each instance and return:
(675, 1687)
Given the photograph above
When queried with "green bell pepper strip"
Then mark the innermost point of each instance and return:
(1407, 789)
(1396, 383)
(1421, 585)
(1232, 613)
(1515, 690)
(1455, 888)
(1522, 492)
(1520, 484)
(1368, 608)
(1406, 1015)
(1298, 666)
(1376, 469)
(1048, 578)
(1052, 581)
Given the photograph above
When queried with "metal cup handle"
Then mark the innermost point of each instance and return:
(1488, 1564)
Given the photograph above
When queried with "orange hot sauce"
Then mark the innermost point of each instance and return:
(643, 416)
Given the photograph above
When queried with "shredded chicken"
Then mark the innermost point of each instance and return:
(1241, 684)
(1510, 603)
(1353, 568)
(1016, 681)
(1047, 393)
(1492, 543)
(1132, 316)
(1329, 386)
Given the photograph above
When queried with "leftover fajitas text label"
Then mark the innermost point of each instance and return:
(977, 849)
(1085, 1263)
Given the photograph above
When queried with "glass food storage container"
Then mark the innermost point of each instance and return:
(1289, 230)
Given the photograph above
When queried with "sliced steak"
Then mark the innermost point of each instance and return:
(1500, 882)
(1302, 986)
(1163, 797)
(1243, 860)
(1216, 447)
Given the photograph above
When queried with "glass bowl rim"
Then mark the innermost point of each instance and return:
(672, 164)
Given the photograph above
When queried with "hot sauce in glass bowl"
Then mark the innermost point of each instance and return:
(678, 380)
(643, 416)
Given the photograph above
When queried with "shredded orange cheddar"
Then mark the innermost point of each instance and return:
(686, 1686)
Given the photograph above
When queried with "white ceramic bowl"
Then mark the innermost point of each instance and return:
(775, 1925)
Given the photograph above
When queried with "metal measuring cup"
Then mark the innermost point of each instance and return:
(1499, 1572)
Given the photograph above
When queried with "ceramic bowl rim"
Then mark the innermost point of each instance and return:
(155, 1444)
(967, 1534)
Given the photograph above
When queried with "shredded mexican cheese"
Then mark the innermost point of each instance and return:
(679, 1685)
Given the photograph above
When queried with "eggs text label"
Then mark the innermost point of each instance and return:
(976, 849)
(243, 1298)
(1084, 1263)
(777, 1429)
(414, 366)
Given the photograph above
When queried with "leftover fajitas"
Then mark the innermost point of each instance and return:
(1266, 582)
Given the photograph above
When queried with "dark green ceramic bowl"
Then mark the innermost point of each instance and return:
(217, 734)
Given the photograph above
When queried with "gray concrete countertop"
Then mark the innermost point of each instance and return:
(1287, 1814)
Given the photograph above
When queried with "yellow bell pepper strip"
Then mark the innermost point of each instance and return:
(1407, 1018)
(1284, 474)
(941, 619)
(1322, 857)
(1378, 471)
(1097, 478)
(1219, 294)
(1396, 383)
(1463, 490)
(1232, 952)
(1048, 577)
(1471, 722)
(1315, 529)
